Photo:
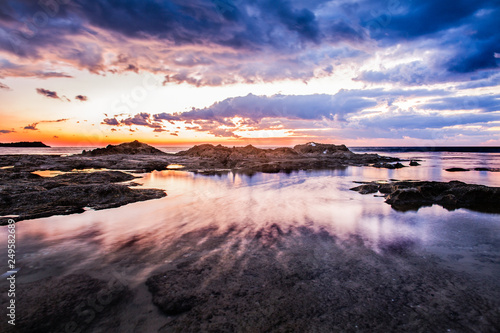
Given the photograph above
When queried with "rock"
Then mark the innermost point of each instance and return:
(35, 197)
(58, 303)
(179, 297)
(388, 165)
(414, 163)
(407, 198)
(411, 195)
(24, 144)
(487, 169)
(313, 148)
(457, 169)
(301, 157)
(129, 148)
(306, 280)
(367, 188)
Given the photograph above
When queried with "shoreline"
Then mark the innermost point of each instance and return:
(27, 196)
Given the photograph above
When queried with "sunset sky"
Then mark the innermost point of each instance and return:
(265, 72)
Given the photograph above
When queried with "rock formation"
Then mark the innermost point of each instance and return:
(411, 195)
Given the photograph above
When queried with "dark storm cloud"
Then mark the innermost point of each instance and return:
(467, 30)
(464, 36)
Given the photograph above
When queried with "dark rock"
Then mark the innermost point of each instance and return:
(406, 199)
(411, 195)
(25, 144)
(301, 157)
(56, 304)
(388, 165)
(314, 148)
(307, 280)
(129, 148)
(36, 197)
(414, 163)
(367, 188)
(181, 296)
(456, 169)
(487, 169)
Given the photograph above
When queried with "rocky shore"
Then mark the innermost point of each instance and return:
(411, 195)
(25, 195)
(140, 157)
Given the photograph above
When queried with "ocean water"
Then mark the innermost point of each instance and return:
(139, 239)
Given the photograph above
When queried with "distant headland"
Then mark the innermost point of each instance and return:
(25, 144)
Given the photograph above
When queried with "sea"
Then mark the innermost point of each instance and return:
(462, 241)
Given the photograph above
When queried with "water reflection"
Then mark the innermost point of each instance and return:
(141, 234)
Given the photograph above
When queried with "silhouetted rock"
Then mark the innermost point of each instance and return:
(411, 195)
(25, 144)
(487, 169)
(457, 169)
(414, 163)
(129, 148)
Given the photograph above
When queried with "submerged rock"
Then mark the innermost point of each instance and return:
(411, 195)
(72, 303)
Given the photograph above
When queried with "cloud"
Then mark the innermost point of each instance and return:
(31, 127)
(4, 86)
(255, 108)
(7, 131)
(54, 121)
(81, 98)
(486, 103)
(110, 121)
(220, 42)
(251, 112)
(140, 119)
(47, 93)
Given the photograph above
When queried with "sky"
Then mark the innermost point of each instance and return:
(262, 72)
